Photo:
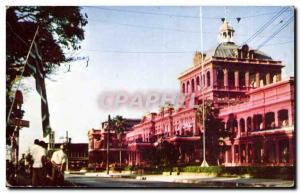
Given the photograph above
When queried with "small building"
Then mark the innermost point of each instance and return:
(77, 155)
(118, 152)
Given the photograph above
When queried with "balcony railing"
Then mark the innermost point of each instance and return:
(232, 88)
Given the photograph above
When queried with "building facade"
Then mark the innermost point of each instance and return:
(254, 104)
(77, 154)
(234, 78)
(98, 148)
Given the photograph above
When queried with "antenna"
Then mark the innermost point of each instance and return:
(226, 13)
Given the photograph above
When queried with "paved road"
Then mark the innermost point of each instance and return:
(167, 182)
(84, 181)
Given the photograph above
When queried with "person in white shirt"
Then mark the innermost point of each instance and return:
(38, 153)
(58, 160)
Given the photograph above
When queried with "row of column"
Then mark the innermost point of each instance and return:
(264, 151)
(267, 76)
(188, 86)
(195, 83)
(264, 123)
(133, 158)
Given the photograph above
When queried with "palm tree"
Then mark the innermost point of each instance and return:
(118, 127)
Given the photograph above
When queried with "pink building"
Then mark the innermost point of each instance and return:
(97, 147)
(254, 103)
(245, 84)
(263, 127)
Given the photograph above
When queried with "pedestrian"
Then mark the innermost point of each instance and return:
(58, 160)
(22, 165)
(38, 153)
(47, 166)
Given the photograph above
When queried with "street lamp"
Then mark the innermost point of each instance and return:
(107, 146)
(204, 163)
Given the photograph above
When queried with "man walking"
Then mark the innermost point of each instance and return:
(58, 160)
(38, 153)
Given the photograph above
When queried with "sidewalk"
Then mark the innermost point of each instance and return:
(222, 181)
(198, 179)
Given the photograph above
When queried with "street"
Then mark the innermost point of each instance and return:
(84, 181)
(172, 182)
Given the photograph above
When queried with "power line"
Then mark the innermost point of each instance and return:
(141, 52)
(267, 24)
(159, 28)
(279, 43)
(165, 52)
(172, 15)
(143, 26)
(277, 31)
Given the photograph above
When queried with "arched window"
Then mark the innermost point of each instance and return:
(208, 78)
(230, 79)
(188, 87)
(242, 125)
(193, 85)
(283, 117)
(197, 83)
(270, 120)
(232, 124)
(242, 79)
(249, 123)
(183, 88)
(258, 122)
(220, 78)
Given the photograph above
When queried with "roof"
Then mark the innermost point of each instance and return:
(225, 26)
(230, 50)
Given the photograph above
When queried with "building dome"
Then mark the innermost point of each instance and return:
(231, 50)
(225, 27)
(226, 33)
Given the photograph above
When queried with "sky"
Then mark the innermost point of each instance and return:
(138, 49)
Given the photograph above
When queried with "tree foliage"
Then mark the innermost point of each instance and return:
(60, 29)
(118, 125)
(167, 154)
(214, 131)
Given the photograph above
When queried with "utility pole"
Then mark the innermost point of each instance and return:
(204, 163)
(107, 146)
(67, 150)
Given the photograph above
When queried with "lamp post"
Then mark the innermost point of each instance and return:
(204, 163)
(67, 150)
(107, 146)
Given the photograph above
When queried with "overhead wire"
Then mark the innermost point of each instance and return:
(265, 26)
(170, 15)
(276, 32)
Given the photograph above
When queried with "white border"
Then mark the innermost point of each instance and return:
(3, 3)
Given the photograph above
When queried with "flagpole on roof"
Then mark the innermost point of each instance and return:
(204, 163)
(27, 56)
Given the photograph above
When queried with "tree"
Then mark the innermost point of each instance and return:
(118, 127)
(167, 154)
(60, 29)
(214, 132)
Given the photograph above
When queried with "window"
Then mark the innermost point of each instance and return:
(183, 88)
(249, 121)
(220, 78)
(193, 85)
(242, 125)
(270, 120)
(283, 118)
(208, 78)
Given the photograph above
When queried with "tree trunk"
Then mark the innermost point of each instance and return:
(120, 155)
